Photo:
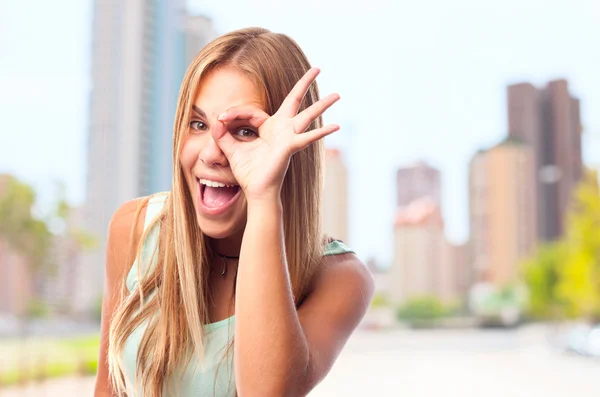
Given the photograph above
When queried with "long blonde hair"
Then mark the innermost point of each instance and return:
(172, 296)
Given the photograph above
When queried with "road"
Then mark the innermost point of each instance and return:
(466, 363)
(431, 363)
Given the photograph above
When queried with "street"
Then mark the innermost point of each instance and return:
(490, 363)
(431, 363)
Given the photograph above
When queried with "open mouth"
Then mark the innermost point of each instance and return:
(215, 196)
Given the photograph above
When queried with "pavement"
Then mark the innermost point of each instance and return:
(430, 363)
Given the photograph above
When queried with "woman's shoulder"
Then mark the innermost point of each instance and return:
(124, 232)
(342, 285)
(127, 217)
(134, 213)
(340, 264)
(336, 247)
(129, 220)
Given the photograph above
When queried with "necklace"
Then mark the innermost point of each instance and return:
(224, 260)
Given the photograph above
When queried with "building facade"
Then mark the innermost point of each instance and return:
(335, 196)
(418, 181)
(140, 52)
(418, 251)
(548, 120)
(502, 211)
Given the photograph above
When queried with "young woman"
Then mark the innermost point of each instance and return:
(225, 285)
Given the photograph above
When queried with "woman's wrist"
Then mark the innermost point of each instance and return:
(270, 203)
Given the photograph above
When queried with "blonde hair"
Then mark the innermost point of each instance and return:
(177, 310)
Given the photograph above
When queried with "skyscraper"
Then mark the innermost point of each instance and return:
(139, 55)
(59, 285)
(199, 31)
(418, 181)
(549, 121)
(418, 251)
(454, 273)
(335, 196)
(502, 210)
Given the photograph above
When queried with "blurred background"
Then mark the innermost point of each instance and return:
(465, 175)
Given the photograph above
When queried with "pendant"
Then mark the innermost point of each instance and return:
(224, 271)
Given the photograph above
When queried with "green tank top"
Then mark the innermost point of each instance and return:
(213, 375)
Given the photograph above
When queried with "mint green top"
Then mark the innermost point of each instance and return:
(213, 376)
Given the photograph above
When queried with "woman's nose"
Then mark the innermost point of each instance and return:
(212, 155)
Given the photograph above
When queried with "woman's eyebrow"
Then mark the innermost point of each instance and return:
(199, 111)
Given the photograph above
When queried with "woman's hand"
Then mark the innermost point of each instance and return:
(259, 147)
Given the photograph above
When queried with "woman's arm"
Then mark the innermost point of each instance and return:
(277, 351)
(280, 351)
(118, 263)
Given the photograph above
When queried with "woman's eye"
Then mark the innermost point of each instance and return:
(198, 125)
(245, 133)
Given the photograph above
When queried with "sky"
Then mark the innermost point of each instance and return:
(419, 80)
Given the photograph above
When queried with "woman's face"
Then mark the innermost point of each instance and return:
(219, 201)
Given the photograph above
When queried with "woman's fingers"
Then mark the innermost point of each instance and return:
(301, 141)
(224, 139)
(292, 101)
(253, 114)
(298, 122)
(308, 115)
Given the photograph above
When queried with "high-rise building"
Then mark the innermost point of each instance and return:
(502, 210)
(139, 55)
(59, 285)
(418, 181)
(549, 121)
(335, 196)
(425, 264)
(418, 251)
(454, 273)
(199, 31)
(16, 287)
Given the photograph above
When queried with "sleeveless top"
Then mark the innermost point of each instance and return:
(213, 375)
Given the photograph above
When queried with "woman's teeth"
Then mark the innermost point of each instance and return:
(214, 183)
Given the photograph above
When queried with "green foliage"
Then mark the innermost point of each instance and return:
(421, 308)
(541, 275)
(380, 300)
(60, 214)
(89, 367)
(24, 233)
(97, 310)
(48, 358)
(31, 237)
(579, 281)
(51, 370)
(37, 308)
(8, 378)
(57, 370)
(563, 278)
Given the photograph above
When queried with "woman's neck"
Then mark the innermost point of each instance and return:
(228, 246)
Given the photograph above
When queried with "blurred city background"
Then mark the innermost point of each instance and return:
(465, 175)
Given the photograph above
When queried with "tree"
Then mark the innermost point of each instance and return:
(31, 237)
(421, 309)
(70, 240)
(25, 234)
(579, 280)
(541, 274)
(563, 277)
(60, 214)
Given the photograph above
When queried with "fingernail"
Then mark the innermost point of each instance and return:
(222, 116)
